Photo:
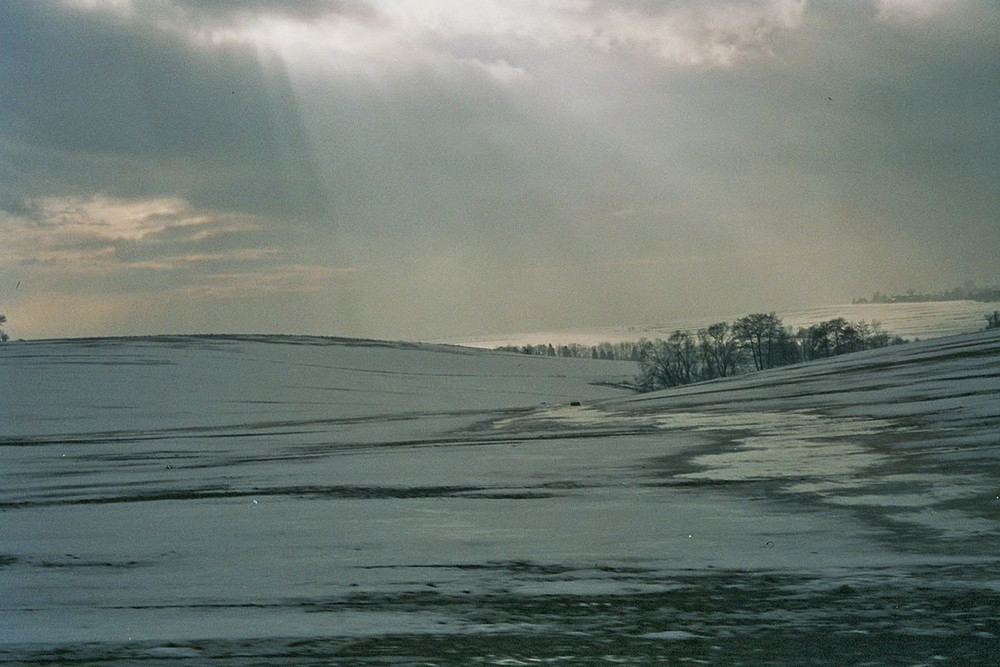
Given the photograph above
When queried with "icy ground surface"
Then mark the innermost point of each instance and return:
(297, 501)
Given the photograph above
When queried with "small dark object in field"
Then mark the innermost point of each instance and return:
(574, 403)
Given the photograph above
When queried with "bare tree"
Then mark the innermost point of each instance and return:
(760, 333)
(685, 353)
(720, 349)
(3, 334)
(838, 336)
(654, 365)
(669, 363)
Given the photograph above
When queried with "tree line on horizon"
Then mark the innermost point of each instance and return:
(756, 342)
(967, 292)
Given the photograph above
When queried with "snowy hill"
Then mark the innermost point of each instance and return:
(85, 386)
(289, 500)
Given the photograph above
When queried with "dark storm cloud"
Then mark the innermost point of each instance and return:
(99, 99)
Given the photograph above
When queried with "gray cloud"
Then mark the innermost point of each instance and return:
(122, 107)
(304, 10)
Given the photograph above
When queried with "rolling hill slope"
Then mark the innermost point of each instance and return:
(262, 500)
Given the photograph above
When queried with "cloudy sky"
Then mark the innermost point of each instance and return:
(431, 169)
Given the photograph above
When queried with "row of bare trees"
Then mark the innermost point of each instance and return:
(621, 351)
(756, 342)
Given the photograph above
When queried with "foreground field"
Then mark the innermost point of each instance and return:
(253, 500)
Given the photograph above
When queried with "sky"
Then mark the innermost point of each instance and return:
(435, 169)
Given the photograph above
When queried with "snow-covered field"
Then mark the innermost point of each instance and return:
(258, 500)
